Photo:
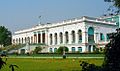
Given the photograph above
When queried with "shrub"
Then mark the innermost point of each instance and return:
(37, 50)
(61, 48)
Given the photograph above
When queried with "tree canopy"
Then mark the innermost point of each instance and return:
(61, 49)
(112, 57)
(5, 36)
(115, 7)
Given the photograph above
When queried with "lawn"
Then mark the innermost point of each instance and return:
(47, 64)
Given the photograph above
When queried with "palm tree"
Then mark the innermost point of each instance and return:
(12, 67)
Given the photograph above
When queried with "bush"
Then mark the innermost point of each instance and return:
(37, 50)
(61, 49)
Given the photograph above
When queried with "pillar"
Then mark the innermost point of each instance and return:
(70, 38)
(76, 37)
(41, 37)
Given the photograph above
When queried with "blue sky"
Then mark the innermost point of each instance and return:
(20, 14)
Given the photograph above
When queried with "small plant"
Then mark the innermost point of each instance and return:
(37, 50)
(2, 63)
(13, 67)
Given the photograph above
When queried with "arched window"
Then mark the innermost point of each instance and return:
(91, 34)
(55, 49)
(108, 37)
(79, 36)
(102, 38)
(51, 50)
(73, 36)
(55, 38)
(80, 49)
(73, 49)
(22, 40)
(66, 37)
(51, 39)
(61, 37)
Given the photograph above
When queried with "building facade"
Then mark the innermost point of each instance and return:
(78, 34)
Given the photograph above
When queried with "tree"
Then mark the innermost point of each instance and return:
(115, 7)
(112, 51)
(61, 48)
(116, 3)
(37, 50)
(5, 36)
(112, 57)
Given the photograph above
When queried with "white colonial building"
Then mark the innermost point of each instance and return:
(78, 34)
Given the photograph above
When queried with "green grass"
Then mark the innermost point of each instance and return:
(46, 64)
(60, 55)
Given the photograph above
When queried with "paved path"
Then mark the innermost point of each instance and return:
(52, 57)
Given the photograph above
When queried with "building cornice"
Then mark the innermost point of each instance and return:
(67, 22)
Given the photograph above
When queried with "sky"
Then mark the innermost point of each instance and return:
(21, 14)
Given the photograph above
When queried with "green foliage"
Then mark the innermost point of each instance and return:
(37, 50)
(112, 57)
(112, 51)
(12, 47)
(2, 63)
(89, 67)
(61, 49)
(116, 4)
(13, 67)
(5, 36)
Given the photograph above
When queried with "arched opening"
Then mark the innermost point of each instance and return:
(66, 37)
(51, 50)
(51, 39)
(55, 50)
(55, 38)
(80, 49)
(102, 38)
(73, 49)
(22, 40)
(31, 39)
(16, 40)
(91, 34)
(19, 41)
(73, 36)
(89, 48)
(61, 37)
(79, 36)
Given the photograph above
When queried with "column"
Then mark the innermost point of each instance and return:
(76, 37)
(91, 48)
(58, 36)
(41, 37)
(46, 37)
(84, 37)
(64, 38)
(53, 39)
(70, 38)
(37, 37)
